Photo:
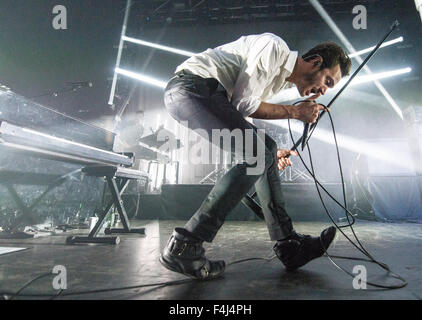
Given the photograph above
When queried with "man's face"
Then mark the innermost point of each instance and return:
(318, 81)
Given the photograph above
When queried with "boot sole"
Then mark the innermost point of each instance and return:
(175, 268)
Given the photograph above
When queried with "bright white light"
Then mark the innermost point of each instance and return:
(418, 4)
(388, 43)
(400, 159)
(141, 77)
(292, 93)
(376, 76)
(158, 46)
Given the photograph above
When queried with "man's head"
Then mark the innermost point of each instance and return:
(321, 68)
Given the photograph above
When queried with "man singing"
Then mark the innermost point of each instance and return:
(218, 89)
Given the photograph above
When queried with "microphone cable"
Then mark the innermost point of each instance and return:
(350, 223)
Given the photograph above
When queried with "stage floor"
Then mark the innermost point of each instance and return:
(135, 262)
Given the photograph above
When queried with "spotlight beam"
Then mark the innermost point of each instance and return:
(292, 93)
(351, 144)
(158, 46)
(141, 77)
(119, 53)
(385, 44)
(376, 76)
(325, 16)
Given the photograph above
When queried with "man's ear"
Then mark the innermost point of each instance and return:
(317, 61)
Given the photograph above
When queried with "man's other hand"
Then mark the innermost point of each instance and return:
(282, 161)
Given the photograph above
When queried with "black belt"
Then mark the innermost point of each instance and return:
(210, 82)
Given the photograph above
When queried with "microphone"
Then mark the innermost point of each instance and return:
(305, 135)
(306, 128)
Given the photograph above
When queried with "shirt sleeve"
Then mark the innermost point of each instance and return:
(266, 55)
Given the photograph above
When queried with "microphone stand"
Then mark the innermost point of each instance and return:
(307, 128)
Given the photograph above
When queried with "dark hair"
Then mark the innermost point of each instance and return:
(332, 54)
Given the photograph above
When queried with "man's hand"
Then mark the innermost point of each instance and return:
(282, 161)
(308, 111)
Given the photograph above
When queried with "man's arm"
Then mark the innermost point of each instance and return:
(274, 111)
(306, 111)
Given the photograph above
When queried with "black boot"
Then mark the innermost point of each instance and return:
(299, 249)
(185, 254)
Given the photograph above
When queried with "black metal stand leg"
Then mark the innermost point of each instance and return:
(107, 240)
(105, 212)
(92, 237)
(121, 209)
(100, 221)
(116, 189)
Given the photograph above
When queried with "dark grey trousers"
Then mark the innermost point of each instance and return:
(203, 104)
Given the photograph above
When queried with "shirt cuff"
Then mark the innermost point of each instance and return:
(248, 106)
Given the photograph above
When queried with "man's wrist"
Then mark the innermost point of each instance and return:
(291, 111)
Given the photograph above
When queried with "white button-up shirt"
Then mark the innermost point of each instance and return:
(251, 69)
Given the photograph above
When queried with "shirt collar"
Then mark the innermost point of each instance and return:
(291, 61)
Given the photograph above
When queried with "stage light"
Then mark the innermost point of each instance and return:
(385, 44)
(418, 4)
(158, 46)
(141, 77)
(376, 76)
(292, 93)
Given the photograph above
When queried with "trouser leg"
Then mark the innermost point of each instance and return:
(270, 195)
